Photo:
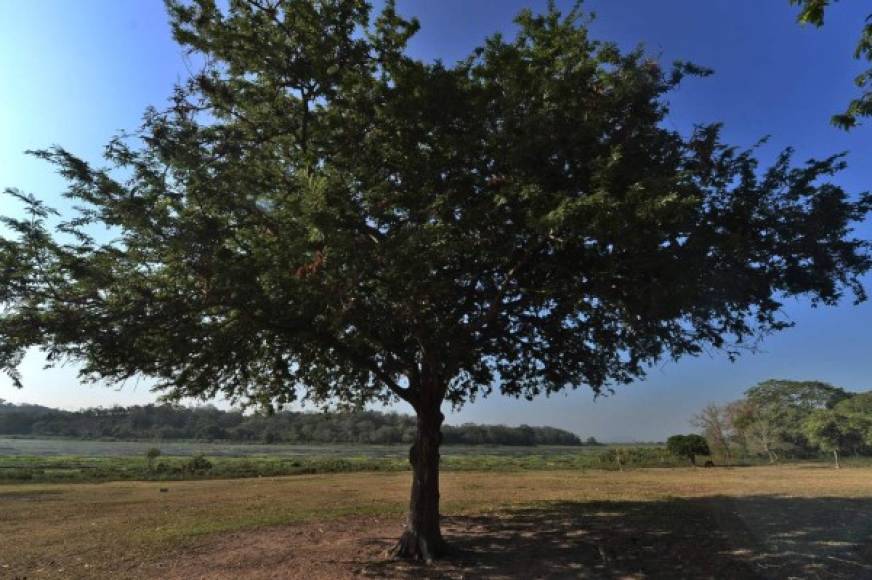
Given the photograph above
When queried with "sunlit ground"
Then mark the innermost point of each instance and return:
(766, 522)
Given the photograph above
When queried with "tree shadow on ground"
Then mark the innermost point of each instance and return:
(765, 537)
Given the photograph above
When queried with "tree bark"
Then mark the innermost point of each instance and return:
(836, 457)
(422, 538)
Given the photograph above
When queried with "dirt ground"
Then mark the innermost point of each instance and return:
(730, 538)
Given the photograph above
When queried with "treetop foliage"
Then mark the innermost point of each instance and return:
(688, 446)
(795, 418)
(813, 12)
(317, 215)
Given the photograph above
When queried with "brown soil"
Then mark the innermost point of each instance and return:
(757, 537)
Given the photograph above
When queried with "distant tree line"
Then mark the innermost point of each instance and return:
(168, 422)
(789, 419)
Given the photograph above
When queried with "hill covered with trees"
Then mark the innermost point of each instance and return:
(167, 422)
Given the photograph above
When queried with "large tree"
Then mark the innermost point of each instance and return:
(757, 429)
(317, 215)
(836, 432)
(783, 405)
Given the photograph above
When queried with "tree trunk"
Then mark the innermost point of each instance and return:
(836, 457)
(422, 538)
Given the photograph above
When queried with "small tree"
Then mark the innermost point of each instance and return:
(858, 410)
(757, 428)
(151, 456)
(688, 446)
(836, 432)
(318, 215)
(198, 464)
(715, 423)
(824, 428)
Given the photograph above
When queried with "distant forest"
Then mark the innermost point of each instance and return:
(166, 422)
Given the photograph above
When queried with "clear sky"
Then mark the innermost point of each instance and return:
(74, 73)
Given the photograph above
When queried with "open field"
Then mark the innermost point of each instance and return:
(755, 522)
(12, 446)
(60, 460)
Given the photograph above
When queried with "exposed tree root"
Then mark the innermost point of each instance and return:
(417, 547)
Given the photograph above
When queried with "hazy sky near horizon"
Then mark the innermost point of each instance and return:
(75, 73)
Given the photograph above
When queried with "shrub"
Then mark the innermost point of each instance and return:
(23, 474)
(688, 446)
(151, 455)
(637, 457)
(198, 464)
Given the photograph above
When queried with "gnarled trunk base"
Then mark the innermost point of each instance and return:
(421, 547)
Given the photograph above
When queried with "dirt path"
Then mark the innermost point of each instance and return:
(732, 538)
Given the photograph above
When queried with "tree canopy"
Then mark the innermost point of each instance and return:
(793, 418)
(318, 215)
(688, 446)
(813, 12)
(832, 431)
(784, 405)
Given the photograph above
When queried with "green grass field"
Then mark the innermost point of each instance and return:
(10, 446)
(58, 460)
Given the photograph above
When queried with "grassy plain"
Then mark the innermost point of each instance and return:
(48, 447)
(61, 460)
(783, 519)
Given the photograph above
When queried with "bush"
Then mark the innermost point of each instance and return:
(198, 464)
(151, 455)
(688, 446)
(24, 474)
(637, 457)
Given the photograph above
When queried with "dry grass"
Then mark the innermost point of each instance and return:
(112, 529)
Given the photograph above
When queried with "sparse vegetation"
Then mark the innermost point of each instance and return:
(125, 529)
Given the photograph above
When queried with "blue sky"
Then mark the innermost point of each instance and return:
(75, 73)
